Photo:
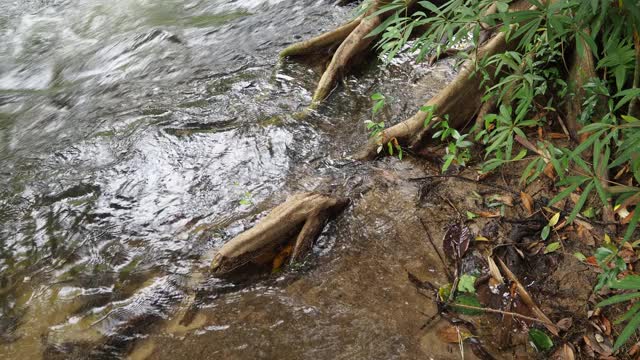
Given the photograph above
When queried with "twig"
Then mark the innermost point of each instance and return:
(500, 312)
(452, 206)
(528, 300)
(444, 264)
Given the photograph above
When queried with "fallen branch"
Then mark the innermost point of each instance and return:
(528, 300)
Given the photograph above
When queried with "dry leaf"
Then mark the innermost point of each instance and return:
(488, 214)
(281, 257)
(549, 172)
(452, 334)
(505, 199)
(494, 270)
(527, 201)
(564, 324)
(565, 352)
(625, 220)
(558, 135)
(456, 241)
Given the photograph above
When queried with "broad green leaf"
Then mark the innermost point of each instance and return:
(552, 247)
(469, 300)
(466, 283)
(545, 232)
(540, 340)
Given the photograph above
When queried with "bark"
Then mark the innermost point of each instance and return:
(302, 215)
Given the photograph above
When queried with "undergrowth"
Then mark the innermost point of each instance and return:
(532, 90)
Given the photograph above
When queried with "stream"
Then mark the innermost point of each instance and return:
(137, 136)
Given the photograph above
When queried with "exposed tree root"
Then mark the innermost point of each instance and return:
(303, 214)
(460, 100)
(353, 41)
(321, 42)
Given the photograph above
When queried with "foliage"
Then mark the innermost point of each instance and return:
(532, 87)
(540, 340)
(376, 128)
(531, 91)
(632, 316)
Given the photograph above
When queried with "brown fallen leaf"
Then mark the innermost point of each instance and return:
(452, 334)
(281, 257)
(564, 324)
(564, 352)
(549, 171)
(527, 202)
(488, 214)
(558, 135)
(505, 199)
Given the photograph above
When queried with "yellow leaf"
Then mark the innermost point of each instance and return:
(554, 219)
(481, 238)
(607, 239)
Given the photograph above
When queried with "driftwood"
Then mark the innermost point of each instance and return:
(303, 215)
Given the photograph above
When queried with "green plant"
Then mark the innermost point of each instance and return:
(456, 150)
(532, 86)
(632, 316)
(246, 198)
(376, 128)
(611, 265)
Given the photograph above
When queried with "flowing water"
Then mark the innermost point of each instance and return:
(136, 136)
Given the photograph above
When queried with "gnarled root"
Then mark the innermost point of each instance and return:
(302, 215)
(353, 41)
(460, 100)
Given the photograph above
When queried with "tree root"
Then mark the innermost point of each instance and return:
(353, 41)
(460, 100)
(321, 42)
(303, 214)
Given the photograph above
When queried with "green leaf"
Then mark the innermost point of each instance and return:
(552, 247)
(629, 314)
(618, 299)
(469, 300)
(545, 232)
(632, 224)
(581, 201)
(471, 216)
(377, 96)
(466, 283)
(564, 193)
(629, 282)
(580, 256)
(540, 340)
(627, 332)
